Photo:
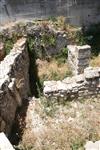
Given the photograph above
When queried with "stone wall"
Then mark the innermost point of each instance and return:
(78, 12)
(14, 84)
(86, 85)
(45, 37)
(78, 58)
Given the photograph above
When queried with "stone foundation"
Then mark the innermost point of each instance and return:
(14, 83)
(78, 58)
(86, 85)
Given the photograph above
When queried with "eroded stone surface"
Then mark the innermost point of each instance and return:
(4, 143)
(14, 84)
(77, 87)
(78, 57)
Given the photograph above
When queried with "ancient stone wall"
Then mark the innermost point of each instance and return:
(78, 12)
(78, 58)
(14, 84)
(45, 38)
(82, 86)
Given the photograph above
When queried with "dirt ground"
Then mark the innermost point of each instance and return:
(52, 125)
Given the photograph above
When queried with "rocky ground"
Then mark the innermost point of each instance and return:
(52, 125)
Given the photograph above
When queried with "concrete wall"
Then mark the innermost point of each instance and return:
(78, 12)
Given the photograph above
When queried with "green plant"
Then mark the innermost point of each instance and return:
(48, 39)
(8, 46)
(31, 42)
(61, 57)
(77, 145)
(52, 18)
(22, 147)
(80, 38)
(49, 106)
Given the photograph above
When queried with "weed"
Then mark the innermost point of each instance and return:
(62, 56)
(49, 106)
(48, 39)
(80, 38)
(52, 18)
(8, 46)
(78, 145)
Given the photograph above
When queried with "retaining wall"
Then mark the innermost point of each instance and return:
(82, 86)
(78, 12)
(14, 84)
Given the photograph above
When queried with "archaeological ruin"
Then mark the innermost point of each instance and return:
(49, 74)
(14, 76)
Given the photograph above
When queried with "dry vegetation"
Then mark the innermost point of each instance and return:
(60, 24)
(52, 70)
(95, 61)
(52, 125)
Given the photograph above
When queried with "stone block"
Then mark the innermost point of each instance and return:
(4, 143)
(78, 58)
(92, 145)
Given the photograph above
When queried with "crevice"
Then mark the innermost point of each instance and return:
(35, 90)
(33, 75)
(19, 123)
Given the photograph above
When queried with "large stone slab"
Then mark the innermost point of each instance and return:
(4, 143)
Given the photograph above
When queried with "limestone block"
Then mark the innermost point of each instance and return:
(91, 73)
(83, 51)
(78, 58)
(4, 143)
(92, 146)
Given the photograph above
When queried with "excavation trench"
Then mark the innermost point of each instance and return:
(36, 90)
(41, 41)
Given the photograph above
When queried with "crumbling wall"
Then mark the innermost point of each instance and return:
(86, 85)
(14, 84)
(45, 38)
(78, 58)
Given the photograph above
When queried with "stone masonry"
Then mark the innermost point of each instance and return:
(14, 84)
(86, 85)
(78, 58)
